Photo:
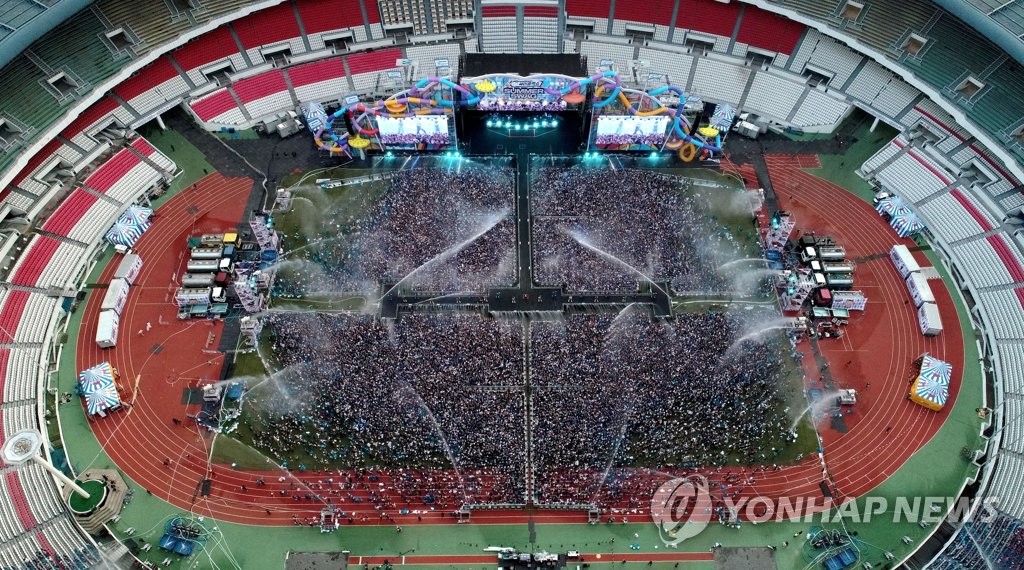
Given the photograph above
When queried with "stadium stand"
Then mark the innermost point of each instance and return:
(263, 94)
(148, 20)
(322, 17)
(707, 16)
(500, 31)
(540, 29)
(768, 31)
(76, 47)
(323, 80)
(218, 107)
(365, 68)
(427, 55)
(600, 9)
(82, 217)
(215, 47)
(153, 86)
(82, 131)
(274, 26)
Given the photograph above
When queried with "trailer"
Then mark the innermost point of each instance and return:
(106, 329)
(929, 319)
(831, 253)
(197, 280)
(839, 280)
(211, 240)
(903, 260)
(843, 267)
(187, 296)
(849, 300)
(117, 294)
(203, 265)
(207, 252)
(919, 289)
(129, 267)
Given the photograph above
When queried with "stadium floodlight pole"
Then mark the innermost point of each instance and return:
(24, 446)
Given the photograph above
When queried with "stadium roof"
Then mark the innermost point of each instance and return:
(24, 21)
(1002, 21)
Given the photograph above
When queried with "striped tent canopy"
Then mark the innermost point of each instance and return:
(893, 206)
(99, 389)
(137, 215)
(124, 233)
(931, 387)
(907, 225)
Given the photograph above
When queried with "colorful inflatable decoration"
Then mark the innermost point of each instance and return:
(439, 96)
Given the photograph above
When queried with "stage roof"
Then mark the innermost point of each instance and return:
(476, 64)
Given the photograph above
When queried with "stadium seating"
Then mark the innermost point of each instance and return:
(25, 99)
(149, 20)
(321, 17)
(985, 267)
(500, 33)
(218, 107)
(768, 31)
(75, 46)
(97, 116)
(540, 29)
(273, 26)
(153, 86)
(214, 47)
(323, 80)
(263, 94)
(365, 68)
(708, 16)
(589, 8)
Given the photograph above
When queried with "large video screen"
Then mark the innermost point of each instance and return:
(632, 130)
(415, 130)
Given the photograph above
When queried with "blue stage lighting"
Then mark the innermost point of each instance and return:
(536, 124)
(543, 123)
(508, 124)
(654, 155)
(554, 123)
(388, 154)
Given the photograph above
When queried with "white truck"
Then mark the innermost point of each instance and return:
(106, 329)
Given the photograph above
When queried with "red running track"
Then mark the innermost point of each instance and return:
(875, 357)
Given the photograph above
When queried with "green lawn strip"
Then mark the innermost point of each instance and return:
(841, 169)
(188, 157)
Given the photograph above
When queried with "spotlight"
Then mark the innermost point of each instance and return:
(654, 155)
(489, 124)
(543, 123)
(518, 126)
(554, 123)
(508, 124)
(388, 154)
(536, 124)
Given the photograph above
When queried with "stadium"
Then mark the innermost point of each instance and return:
(512, 283)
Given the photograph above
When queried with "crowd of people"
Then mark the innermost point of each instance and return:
(436, 392)
(589, 222)
(440, 228)
(446, 393)
(629, 391)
